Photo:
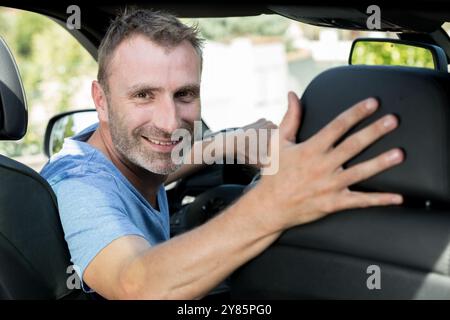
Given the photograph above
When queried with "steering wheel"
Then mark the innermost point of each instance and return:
(237, 180)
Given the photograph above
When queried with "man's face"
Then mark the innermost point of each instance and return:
(153, 91)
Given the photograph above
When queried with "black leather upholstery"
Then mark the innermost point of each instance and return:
(13, 109)
(328, 259)
(421, 99)
(33, 253)
(411, 244)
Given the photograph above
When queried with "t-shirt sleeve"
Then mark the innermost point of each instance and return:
(92, 216)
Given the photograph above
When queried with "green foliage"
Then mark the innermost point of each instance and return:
(385, 53)
(63, 128)
(223, 29)
(53, 66)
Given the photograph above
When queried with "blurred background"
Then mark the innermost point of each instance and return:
(249, 65)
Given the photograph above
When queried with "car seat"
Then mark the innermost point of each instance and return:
(34, 257)
(407, 247)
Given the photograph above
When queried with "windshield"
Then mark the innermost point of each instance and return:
(251, 62)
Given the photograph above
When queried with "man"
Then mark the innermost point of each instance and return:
(109, 179)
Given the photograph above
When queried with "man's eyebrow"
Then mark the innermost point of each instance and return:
(190, 87)
(142, 87)
(148, 88)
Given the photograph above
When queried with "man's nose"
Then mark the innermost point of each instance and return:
(166, 117)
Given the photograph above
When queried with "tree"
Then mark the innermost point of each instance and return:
(53, 67)
(223, 29)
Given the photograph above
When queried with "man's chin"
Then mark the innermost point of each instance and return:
(162, 169)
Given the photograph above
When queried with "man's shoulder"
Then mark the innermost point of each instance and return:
(72, 167)
(82, 185)
(77, 160)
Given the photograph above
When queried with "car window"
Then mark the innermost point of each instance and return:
(56, 72)
(249, 65)
(251, 62)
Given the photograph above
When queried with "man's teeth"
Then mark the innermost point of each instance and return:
(162, 143)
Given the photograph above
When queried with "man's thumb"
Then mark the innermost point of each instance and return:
(291, 120)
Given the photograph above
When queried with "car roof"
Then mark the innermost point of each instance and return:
(416, 17)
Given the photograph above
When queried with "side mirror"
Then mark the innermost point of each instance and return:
(66, 125)
(393, 52)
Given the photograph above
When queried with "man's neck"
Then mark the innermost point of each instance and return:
(147, 183)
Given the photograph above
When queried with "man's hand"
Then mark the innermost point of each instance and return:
(254, 136)
(311, 182)
(246, 151)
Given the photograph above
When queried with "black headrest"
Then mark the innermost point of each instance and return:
(13, 109)
(421, 100)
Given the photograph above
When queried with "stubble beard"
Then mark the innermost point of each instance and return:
(133, 148)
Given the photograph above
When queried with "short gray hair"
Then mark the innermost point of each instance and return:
(163, 28)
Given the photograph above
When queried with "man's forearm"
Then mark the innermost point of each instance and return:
(191, 166)
(204, 256)
(184, 171)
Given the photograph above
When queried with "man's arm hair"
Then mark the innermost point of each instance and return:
(185, 267)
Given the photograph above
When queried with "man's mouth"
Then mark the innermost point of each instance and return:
(163, 142)
(162, 145)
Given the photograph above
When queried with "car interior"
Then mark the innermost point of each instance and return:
(326, 259)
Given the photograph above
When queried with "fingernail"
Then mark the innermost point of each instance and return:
(394, 156)
(397, 199)
(389, 122)
(371, 104)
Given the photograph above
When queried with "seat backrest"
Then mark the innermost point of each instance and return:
(408, 246)
(33, 253)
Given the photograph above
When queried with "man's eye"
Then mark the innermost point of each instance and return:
(186, 96)
(142, 95)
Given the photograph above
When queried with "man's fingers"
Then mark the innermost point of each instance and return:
(261, 124)
(368, 199)
(268, 125)
(369, 168)
(334, 130)
(271, 125)
(291, 120)
(360, 140)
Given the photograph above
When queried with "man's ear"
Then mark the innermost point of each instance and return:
(100, 101)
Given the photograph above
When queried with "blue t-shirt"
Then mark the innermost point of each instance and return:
(97, 204)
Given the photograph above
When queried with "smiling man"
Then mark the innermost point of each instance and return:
(145, 91)
(109, 178)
